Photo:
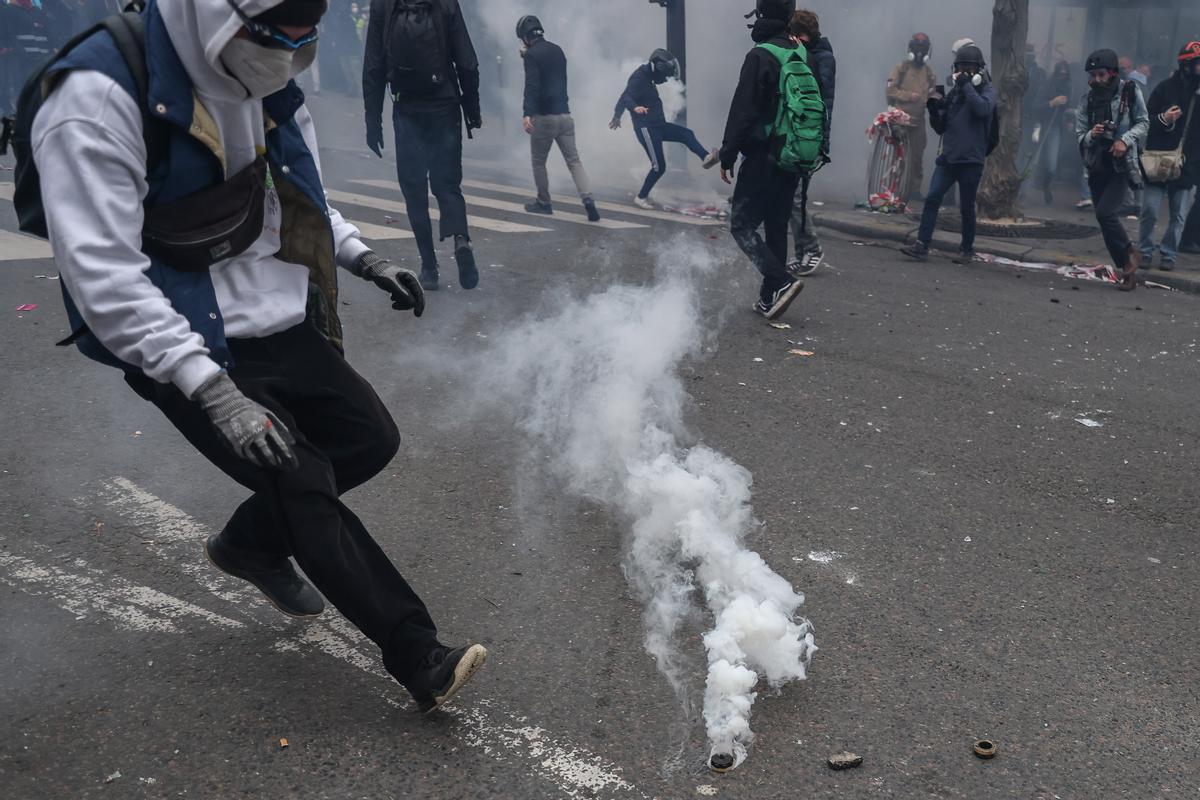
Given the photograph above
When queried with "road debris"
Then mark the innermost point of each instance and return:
(721, 762)
(797, 352)
(116, 775)
(1087, 422)
(845, 760)
(283, 744)
(985, 748)
(27, 307)
(706, 791)
(780, 326)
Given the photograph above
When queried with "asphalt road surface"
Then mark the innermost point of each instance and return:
(978, 561)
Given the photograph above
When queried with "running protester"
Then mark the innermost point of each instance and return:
(642, 101)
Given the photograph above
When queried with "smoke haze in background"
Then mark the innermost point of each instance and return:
(605, 41)
(601, 415)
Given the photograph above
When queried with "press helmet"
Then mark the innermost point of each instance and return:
(529, 27)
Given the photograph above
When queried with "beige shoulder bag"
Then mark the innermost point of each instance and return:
(1165, 166)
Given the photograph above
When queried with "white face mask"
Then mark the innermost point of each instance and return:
(265, 70)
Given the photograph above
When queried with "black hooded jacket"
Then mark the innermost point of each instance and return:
(755, 102)
(1176, 91)
(545, 80)
(641, 90)
(459, 49)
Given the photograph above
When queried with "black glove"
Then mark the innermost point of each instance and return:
(474, 118)
(375, 138)
(402, 285)
(246, 428)
(962, 78)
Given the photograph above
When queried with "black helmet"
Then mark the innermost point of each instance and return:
(969, 56)
(664, 64)
(774, 9)
(1102, 59)
(529, 27)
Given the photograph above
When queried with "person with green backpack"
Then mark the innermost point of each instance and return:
(776, 124)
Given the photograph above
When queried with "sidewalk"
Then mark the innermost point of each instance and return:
(902, 228)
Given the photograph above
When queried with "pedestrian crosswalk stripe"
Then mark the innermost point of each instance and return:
(380, 204)
(518, 208)
(616, 207)
(19, 247)
(379, 233)
(6, 190)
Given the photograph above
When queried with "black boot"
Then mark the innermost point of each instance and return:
(538, 207)
(442, 673)
(429, 277)
(589, 205)
(464, 254)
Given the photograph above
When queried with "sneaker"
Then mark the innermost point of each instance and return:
(793, 267)
(1084, 204)
(713, 159)
(918, 251)
(442, 673)
(277, 580)
(464, 254)
(429, 277)
(642, 202)
(809, 262)
(1129, 275)
(966, 257)
(538, 207)
(775, 306)
(1167, 266)
(589, 205)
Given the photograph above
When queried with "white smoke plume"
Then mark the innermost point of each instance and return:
(595, 390)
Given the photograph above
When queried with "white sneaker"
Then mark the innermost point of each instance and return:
(642, 202)
(713, 159)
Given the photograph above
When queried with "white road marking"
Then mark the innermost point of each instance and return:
(380, 204)
(519, 208)
(380, 233)
(175, 536)
(19, 247)
(620, 208)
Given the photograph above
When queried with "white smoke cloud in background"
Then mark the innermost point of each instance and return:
(595, 391)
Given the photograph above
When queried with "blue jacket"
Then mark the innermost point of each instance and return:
(191, 163)
(966, 114)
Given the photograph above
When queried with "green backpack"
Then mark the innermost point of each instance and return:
(799, 126)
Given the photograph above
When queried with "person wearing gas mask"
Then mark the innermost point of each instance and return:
(908, 88)
(964, 119)
(1171, 164)
(198, 254)
(1110, 122)
(547, 118)
(765, 192)
(422, 53)
(645, 106)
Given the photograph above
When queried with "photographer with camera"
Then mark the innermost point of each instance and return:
(1110, 123)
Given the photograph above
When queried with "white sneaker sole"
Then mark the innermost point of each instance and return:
(471, 662)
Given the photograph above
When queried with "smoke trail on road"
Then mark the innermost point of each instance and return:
(596, 391)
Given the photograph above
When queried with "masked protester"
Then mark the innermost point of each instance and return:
(218, 329)
(642, 101)
(1110, 121)
(764, 193)
(428, 63)
(908, 88)
(1174, 125)
(964, 119)
(547, 117)
(1050, 118)
(805, 28)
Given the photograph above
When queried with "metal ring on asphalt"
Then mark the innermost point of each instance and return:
(985, 748)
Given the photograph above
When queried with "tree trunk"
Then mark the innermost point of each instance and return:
(1001, 179)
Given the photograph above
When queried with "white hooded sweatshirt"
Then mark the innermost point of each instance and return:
(91, 156)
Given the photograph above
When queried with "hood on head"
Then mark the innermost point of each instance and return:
(200, 30)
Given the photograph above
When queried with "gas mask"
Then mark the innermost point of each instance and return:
(265, 70)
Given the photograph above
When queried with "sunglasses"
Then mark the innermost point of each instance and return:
(270, 36)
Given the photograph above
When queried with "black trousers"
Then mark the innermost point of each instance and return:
(763, 197)
(1109, 189)
(429, 156)
(344, 437)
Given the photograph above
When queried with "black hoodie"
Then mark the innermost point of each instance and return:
(1176, 90)
(755, 101)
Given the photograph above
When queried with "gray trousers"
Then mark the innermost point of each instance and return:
(549, 130)
(804, 235)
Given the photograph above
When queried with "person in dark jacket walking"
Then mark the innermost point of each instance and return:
(805, 28)
(547, 116)
(764, 193)
(1173, 121)
(1110, 123)
(430, 66)
(645, 106)
(1050, 121)
(964, 118)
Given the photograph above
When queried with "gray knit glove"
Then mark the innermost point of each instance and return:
(401, 284)
(246, 428)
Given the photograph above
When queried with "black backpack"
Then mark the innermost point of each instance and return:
(128, 31)
(415, 41)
